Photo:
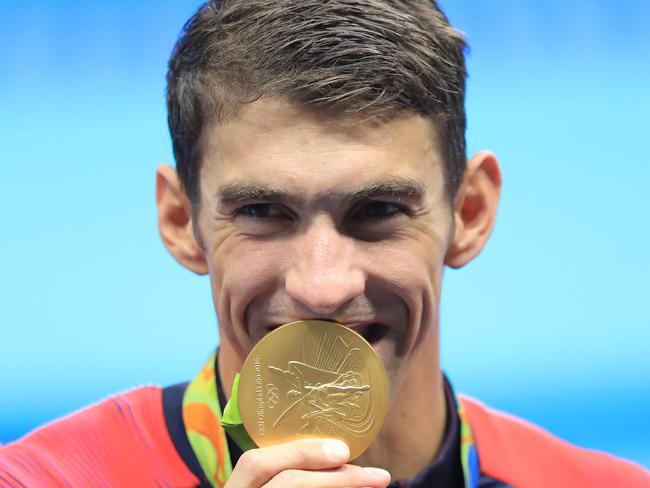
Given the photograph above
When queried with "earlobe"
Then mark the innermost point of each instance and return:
(475, 209)
(175, 221)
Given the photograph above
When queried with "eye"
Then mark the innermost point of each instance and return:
(379, 210)
(263, 219)
(261, 211)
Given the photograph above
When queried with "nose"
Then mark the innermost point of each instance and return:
(323, 275)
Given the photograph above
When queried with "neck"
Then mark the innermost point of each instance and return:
(414, 428)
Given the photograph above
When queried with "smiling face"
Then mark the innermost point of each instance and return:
(303, 217)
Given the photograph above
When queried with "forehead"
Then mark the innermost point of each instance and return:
(284, 145)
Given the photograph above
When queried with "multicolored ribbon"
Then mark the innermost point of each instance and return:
(202, 420)
(468, 454)
(203, 423)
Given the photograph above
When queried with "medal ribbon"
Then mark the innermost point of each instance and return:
(468, 454)
(202, 421)
(205, 426)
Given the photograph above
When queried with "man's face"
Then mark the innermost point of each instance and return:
(305, 217)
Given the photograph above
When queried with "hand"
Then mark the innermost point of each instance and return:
(307, 463)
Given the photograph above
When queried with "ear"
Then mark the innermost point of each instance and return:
(175, 221)
(475, 209)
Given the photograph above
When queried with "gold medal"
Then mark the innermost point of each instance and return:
(313, 378)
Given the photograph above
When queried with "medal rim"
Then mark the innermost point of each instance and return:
(353, 445)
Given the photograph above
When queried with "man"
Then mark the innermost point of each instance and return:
(321, 174)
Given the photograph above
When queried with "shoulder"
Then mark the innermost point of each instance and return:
(122, 441)
(522, 454)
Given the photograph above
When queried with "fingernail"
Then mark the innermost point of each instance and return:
(378, 474)
(336, 450)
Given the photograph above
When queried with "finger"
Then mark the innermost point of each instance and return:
(346, 476)
(257, 466)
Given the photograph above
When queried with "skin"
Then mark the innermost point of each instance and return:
(303, 216)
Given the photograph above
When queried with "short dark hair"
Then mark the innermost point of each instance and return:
(352, 57)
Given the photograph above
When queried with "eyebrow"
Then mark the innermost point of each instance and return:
(233, 193)
(399, 188)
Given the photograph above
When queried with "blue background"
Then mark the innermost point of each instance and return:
(550, 322)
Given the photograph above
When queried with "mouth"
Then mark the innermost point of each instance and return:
(373, 332)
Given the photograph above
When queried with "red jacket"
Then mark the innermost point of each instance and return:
(123, 441)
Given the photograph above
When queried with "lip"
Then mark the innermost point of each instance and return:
(371, 331)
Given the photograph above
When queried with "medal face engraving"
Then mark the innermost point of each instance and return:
(313, 379)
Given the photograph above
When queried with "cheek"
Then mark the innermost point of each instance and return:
(241, 271)
(413, 266)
